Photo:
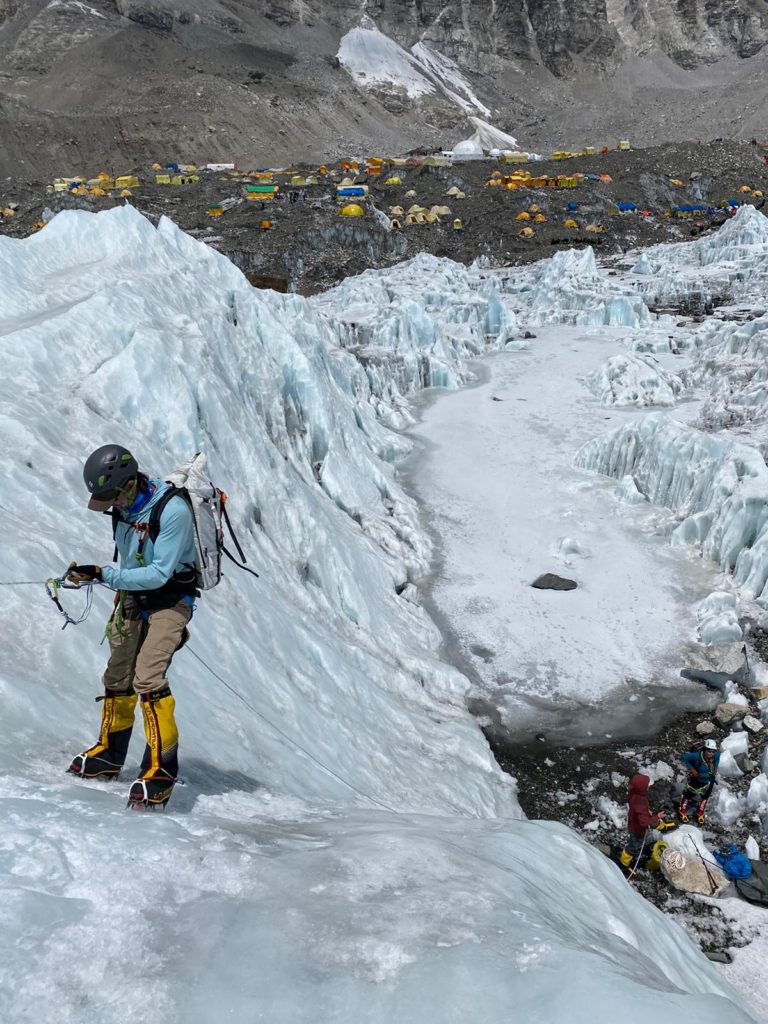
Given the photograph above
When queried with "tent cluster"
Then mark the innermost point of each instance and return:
(524, 179)
(570, 154)
(101, 185)
(416, 214)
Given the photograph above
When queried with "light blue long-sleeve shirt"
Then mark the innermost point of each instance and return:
(173, 551)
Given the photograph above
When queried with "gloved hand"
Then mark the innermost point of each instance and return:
(83, 573)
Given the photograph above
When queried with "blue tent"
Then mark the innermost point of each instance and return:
(626, 207)
(351, 190)
(572, 207)
(171, 167)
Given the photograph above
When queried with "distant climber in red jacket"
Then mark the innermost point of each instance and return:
(639, 820)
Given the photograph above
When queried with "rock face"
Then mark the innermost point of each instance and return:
(564, 37)
(259, 81)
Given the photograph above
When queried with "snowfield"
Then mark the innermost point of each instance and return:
(345, 848)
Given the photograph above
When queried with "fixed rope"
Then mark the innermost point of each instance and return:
(289, 739)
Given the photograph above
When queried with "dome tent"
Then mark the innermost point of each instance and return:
(351, 210)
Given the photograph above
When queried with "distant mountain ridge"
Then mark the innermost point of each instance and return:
(264, 80)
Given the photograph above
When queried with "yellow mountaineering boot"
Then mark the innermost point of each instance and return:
(160, 765)
(626, 859)
(107, 756)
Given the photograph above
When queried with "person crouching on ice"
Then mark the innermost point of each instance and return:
(154, 535)
(639, 821)
(702, 775)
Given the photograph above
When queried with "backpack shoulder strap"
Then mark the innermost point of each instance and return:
(116, 517)
(157, 510)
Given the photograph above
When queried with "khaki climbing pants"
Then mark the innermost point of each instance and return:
(141, 652)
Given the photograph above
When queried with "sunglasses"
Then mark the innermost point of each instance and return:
(113, 494)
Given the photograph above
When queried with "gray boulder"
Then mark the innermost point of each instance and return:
(549, 581)
(727, 714)
(716, 664)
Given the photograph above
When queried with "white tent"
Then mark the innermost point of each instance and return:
(484, 139)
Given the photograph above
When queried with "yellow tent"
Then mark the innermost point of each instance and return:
(396, 211)
(624, 145)
(457, 225)
(526, 233)
(745, 188)
(410, 193)
(757, 194)
(431, 218)
(393, 181)
(415, 209)
(126, 193)
(298, 179)
(676, 182)
(157, 167)
(588, 151)
(540, 218)
(127, 181)
(98, 191)
(595, 229)
(441, 211)
(394, 225)
(534, 208)
(454, 190)
(523, 216)
(571, 223)
(162, 179)
(351, 210)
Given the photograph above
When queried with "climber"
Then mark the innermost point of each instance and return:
(702, 772)
(639, 821)
(155, 584)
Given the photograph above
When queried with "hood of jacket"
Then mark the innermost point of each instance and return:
(638, 786)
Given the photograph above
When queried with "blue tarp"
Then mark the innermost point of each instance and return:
(626, 207)
(351, 190)
(689, 208)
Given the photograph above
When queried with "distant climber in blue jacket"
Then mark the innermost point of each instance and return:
(702, 771)
(155, 586)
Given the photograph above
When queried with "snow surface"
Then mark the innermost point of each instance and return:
(345, 848)
(485, 138)
(372, 58)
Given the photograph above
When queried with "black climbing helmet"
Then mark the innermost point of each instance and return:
(107, 469)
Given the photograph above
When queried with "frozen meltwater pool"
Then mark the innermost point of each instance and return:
(494, 467)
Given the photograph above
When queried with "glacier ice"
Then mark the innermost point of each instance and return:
(634, 380)
(265, 892)
(717, 488)
(718, 619)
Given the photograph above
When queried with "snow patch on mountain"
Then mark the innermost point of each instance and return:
(372, 58)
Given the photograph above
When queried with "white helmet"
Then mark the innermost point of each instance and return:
(710, 744)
